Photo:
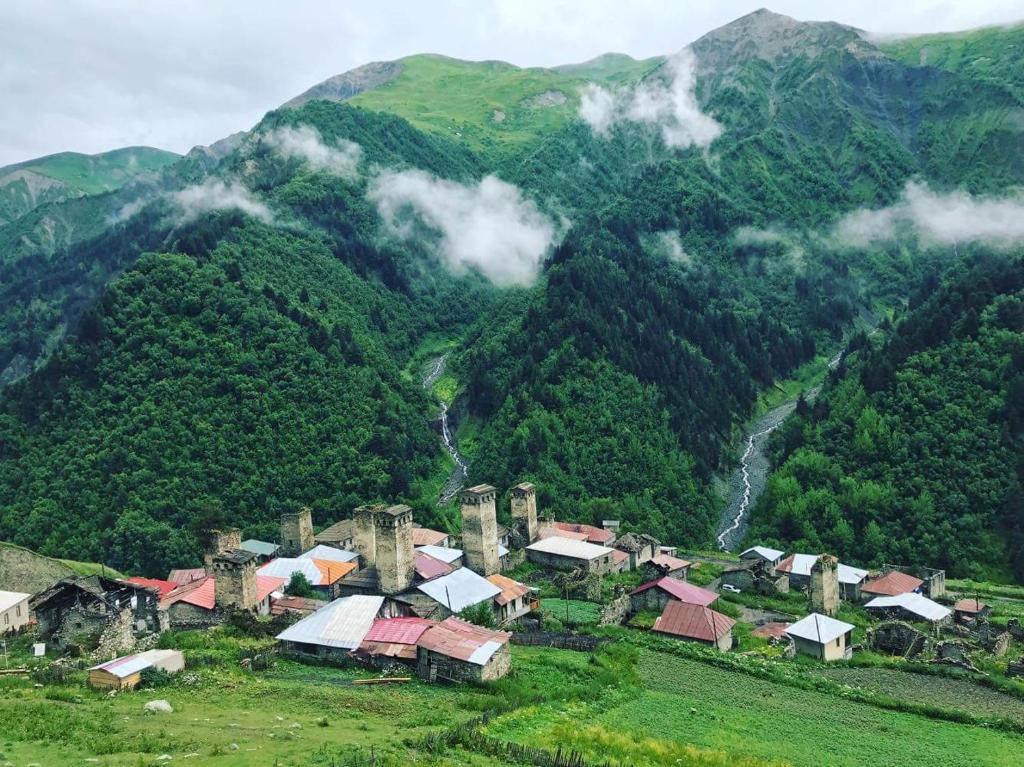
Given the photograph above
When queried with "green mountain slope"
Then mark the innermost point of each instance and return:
(57, 177)
(915, 453)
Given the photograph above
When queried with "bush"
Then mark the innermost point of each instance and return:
(155, 677)
(481, 614)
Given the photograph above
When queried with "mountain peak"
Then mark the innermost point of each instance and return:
(350, 83)
(770, 36)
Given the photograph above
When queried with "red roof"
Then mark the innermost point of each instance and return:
(458, 639)
(287, 604)
(187, 576)
(668, 562)
(510, 589)
(618, 557)
(893, 584)
(424, 536)
(684, 592)
(398, 630)
(969, 606)
(693, 622)
(786, 565)
(199, 593)
(550, 531)
(771, 630)
(594, 534)
(265, 584)
(428, 567)
(163, 587)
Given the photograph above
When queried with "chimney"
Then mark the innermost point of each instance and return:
(394, 550)
(524, 511)
(480, 530)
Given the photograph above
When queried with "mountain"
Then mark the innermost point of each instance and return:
(26, 185)
(245, 333)
(915, 452)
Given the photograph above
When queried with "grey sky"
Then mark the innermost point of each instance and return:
(91, 75)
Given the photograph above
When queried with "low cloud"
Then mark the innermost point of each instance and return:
(488, 226)
(670, 105)
(790, 243)
(669, 245)
(304, 142)
(214, 194)
(937, 219)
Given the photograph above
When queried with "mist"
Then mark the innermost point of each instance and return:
(489, 226)
(671, 106)
(303, 142)
(937, 218)
(215, 194)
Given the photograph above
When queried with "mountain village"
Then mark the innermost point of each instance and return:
(400, 599)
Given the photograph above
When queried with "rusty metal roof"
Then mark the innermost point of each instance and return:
(398, 630)
(681, 590)
(972, 605)
(669, 562)
(463, 641)
(199, 593)
(424, 536)
(163, 587)
(187, 576)
(892, 584)
(428, 567)
(770, 630)
(549, 531)
(594, 534)
(693, 622)
(510, 589)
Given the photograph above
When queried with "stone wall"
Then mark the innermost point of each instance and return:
(524, 512)
(480, 530)
(616, 611)
(296, 532)
(394, 554)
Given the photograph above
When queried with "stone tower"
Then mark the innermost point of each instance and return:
(480, 530)
(394, 551)
(234, 575)
(364, 533)
(824, 590)
(220, 541)
(524, 511)
(296, 532)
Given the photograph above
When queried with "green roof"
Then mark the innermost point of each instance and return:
(260, 547)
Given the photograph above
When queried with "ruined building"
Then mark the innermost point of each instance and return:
(480, 530)
(218, 541)
(296, 532)
(824, 586)
(235, 580)
(524, 514)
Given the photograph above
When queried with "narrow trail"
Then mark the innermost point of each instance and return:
(457, 478)
(748, 481)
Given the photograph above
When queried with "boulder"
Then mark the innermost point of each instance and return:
(158, 707)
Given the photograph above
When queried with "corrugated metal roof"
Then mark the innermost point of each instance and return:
(693, 622)
(681, 590)
(798, 564)
(851, 575)
(502, 551)
(398, 630)
(819, 628)
(618, 557)
(510, 589)
(187, 576)
(330, 553)
(424, 536)
(319, 572)
(199, 593)
(460, 589)
(287, 604)
(427, 567)
(972, 605)
(263, 548)
(569, 547)
(669, 562)
(9, 599)
(892, 584)
(162, 587)
(124, 666)
(343, 623)
(267, 585)
(443, 553)
(764, 552)
(917, 604)
(594, 534)
(336, 533)
(553, 532)
(457, 639)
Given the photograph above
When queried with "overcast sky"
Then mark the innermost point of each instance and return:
(91, 75)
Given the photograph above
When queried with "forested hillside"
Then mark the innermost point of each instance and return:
(915, 452)
(622, 254)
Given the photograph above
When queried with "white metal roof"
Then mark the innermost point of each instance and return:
(502, 551)
(483, 653)
(852, 575)
(124, 666)
(918, 604)
(764, 552)
(819, 628)
(459, 589)
(9, 599)
(569, 547)
(343, 623)
(802, 563)
(329, 553)
(443, 553)
(283, 567)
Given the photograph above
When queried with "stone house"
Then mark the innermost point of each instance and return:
(667, 565)
(970, 609)
(642, 548)
(695, 623)
(457, 651)
(771, 557)
(890, 584)
(560, 553)
(654, 595)
(335, 630)
(822, 637)
(909, 607)
(14, 612)
(200, 604)
(340, 535)
(81, 611)
(453, 593)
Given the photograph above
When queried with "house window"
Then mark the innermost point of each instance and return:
(17, 610)
(7, 618)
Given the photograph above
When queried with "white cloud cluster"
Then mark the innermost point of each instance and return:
(793, 252)
(670, 105)
(937, 219)
(305, 143)
(671, 246)
(488, 226)
(214, 194)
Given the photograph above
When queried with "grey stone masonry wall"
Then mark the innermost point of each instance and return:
(524, 511)
(394, 550)
(480, 530)
(219, 541)
(824, 591)
(296, 532)
(365, 533)
(235, 580)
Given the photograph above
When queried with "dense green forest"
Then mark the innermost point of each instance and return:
(224, 367)
(915, 452)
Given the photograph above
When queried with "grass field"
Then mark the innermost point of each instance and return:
(573, 612)
(92, 174)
